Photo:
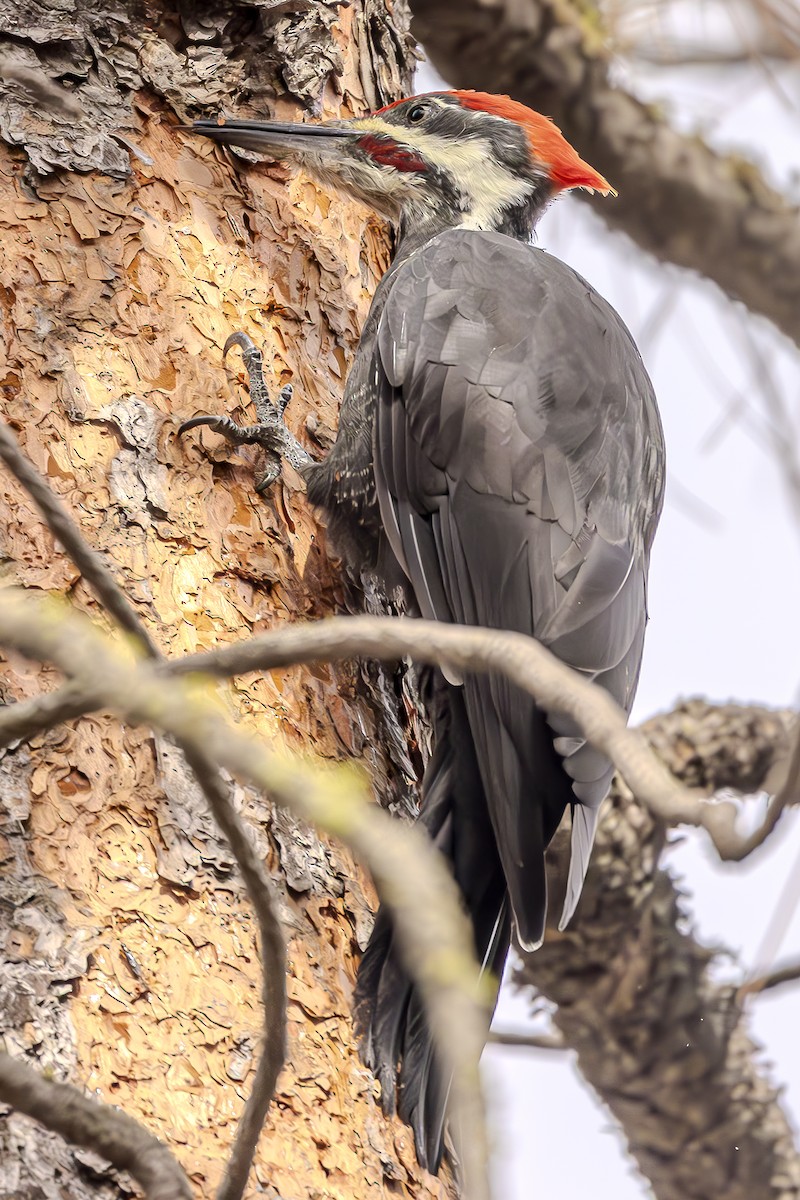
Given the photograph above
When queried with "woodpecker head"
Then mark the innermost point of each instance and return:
(432, 162)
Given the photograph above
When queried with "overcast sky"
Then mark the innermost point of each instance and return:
(725, 583)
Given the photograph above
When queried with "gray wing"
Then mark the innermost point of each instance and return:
(519, 469)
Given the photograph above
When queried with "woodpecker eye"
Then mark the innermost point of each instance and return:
(416, 114)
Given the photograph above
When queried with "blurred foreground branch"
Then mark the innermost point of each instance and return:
(433, 933)
(556, 688)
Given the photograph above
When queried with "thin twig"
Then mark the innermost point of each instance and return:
(689, 56)
(21, 721)
(61, 524)
(782, 915)
(40, 88)
(273, 974)
(70, 701)
(114, 1135)
(780, 427)
(528, 1041)
(555, 687)
(434, 936)
(772, 979)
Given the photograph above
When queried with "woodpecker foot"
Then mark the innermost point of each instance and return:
(270, 431)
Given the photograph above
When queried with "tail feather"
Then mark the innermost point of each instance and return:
(584, 827)
(421, 1097)
(397, 1046)
(396, 1042)
(395, 1039)
(383, 992)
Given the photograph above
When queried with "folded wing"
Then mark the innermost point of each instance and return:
(519, 468)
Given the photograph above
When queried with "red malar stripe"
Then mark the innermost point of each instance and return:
(388, 153)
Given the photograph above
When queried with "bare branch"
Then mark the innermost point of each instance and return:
(555, 687)
(781, 435)
(273, 973)
(61, 524)
(701, 56)
(111, 1133)
(525, 662)
(775, 978)
(678, 199)
(528, 1041)
(772, 979)
(21, 721)
(434, 936)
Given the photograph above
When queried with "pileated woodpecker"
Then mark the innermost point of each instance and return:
(500, 449)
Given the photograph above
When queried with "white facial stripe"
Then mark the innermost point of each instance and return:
(488, 186)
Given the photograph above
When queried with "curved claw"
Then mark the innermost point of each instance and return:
(285, 398)
(245, 343)
(269, 431)
(269, 475)
(194, 423)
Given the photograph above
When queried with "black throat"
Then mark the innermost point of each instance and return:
(518, 221)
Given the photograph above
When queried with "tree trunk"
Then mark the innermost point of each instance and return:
(662, 1041)
(130, 252)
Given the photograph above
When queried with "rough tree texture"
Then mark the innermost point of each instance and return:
(662, 1042)
(677, 199)
(129, 956)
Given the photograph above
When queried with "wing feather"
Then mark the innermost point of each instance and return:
(518, 463)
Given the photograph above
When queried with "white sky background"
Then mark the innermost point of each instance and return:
(725, 583)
